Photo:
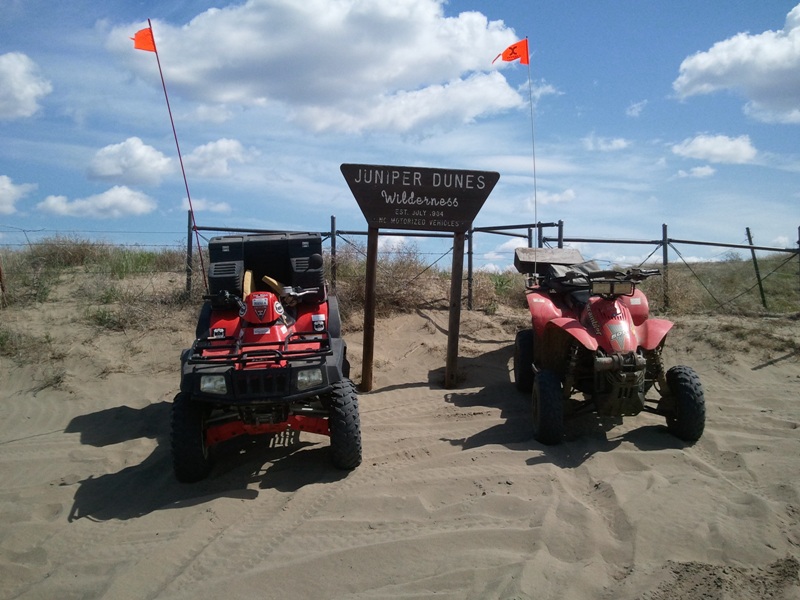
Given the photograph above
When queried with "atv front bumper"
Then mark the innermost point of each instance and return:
(263, 382)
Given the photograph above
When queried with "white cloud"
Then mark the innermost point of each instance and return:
(119, 201)
(717, 149)
(567, 195)
(544, 89)
(393, 243)
(594, 143)
(490, 267)
(213, 159)
(697, 172)
(765, 68)
(21, 86)
(130, 162)
(636, 108)
(11, 192)
(458, 101)
(350, 65)
(782, 242)
(202, 205)
(213, 113)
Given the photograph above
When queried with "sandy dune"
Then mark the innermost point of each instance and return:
(453, 500)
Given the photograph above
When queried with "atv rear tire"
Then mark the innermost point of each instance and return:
(191, 459)
(687, 419)
(345, 426)
(547, 408)
(523, 360)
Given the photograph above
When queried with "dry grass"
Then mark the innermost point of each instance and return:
(124, 288)
(727, 287)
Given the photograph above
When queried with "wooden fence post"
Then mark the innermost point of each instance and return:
(189, 266)
(453, 329)
(3, 301)
(334, 270)
(755, 264)
(470, 233)
(665, 264)
(368, 351)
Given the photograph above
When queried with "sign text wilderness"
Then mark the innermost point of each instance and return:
(419, 198)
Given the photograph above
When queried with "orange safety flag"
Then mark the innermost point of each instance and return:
(143, 40)
(514, 52)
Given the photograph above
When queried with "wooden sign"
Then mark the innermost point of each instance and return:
(419, 198)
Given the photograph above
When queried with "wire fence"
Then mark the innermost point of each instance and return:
(773, 277)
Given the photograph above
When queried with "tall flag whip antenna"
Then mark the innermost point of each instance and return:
(519, 51)
(145, 40)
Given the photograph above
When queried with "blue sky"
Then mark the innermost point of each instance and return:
(681, 112)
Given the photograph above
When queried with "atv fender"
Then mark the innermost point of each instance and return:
(576, 330)
(543, 310)
(652, 332)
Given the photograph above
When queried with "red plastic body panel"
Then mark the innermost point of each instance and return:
(576, 330)
(306, 318)
(615, 325)
(611, 324)
(652, 332)
(264, 334)
(262, 308)
(225, 319)
(638, 305)
(543, 310)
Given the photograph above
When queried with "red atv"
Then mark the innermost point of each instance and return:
(592, 335)
(269, 355)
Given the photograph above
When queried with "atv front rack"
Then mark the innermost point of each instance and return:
(230, 350)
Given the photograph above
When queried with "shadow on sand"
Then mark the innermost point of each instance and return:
(585, 434)
(279, 462)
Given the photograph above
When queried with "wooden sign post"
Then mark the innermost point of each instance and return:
(421, 199)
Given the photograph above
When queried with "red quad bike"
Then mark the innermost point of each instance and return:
(269, 355)
(592, 335)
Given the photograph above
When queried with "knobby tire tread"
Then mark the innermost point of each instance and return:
(345, 426)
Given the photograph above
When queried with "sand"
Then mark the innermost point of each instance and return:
(453, 500)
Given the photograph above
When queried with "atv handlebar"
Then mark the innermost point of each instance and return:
(228, 296)
(641, 274)
(292, 294)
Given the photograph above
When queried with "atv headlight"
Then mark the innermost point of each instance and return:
(213, 384)
(308, 378)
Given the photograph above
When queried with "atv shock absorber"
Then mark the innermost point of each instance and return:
(569, 376)
(655, 370)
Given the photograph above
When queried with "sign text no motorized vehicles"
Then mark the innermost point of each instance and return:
(419, 198)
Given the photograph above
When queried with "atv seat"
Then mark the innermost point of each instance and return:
(575, 293)
(578, 299)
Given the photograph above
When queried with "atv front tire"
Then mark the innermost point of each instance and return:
(345, 425)
(687, 418)
(523, 360)
(191, 459)
(547, 408)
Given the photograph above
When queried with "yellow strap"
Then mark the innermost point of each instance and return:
(247, 284)
(276, 286)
